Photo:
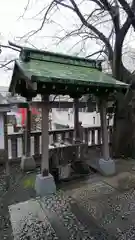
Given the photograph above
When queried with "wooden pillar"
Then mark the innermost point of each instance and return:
(105, 145)
(7, 168)
(45, 135)
(27, 132)
(76, 118)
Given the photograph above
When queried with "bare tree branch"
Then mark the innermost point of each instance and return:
(33, 32)
(114, 12)
(129, 10)
(7, 46)
(82, 41)
(124, 29)
(95, 53)
(90, 24)
(25, 9)
(77, 32)
(7, 63)
(99, 4)
(91, 27)
(63, 4)
(101, 22)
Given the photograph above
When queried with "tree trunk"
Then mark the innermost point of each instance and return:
(122, 134)
(123, 144)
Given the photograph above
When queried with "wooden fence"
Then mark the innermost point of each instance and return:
(91, 136)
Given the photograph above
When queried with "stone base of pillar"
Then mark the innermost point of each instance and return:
(27, 163)
(107, 168)
(44, 185)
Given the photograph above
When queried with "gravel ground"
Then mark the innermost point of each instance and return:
(15, 194)
(5, 227)
(120, 205)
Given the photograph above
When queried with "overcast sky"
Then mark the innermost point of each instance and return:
(12, 27)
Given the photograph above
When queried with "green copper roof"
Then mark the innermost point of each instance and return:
(67, 74)
(27, 54)
(56, 71)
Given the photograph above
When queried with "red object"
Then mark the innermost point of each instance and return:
(23, 112)
(34, 111)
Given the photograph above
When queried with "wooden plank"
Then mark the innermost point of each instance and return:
(61, 104)
(23, 143)
(36, 145)
(27, 133)
(54, 138)
(63, 136)
(86, 135)
(99, 136)
(104, 129)
(14, 147)
(7, 168)
(92, 137)
(76, 119)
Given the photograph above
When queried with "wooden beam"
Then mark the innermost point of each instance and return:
(104, 129)
(53, 104)
(7, 168)
(45, 134)
(76, 118)
(57, 104)
(27, 133)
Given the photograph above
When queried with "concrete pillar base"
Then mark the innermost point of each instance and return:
(27, 163)
(44, 185)
(107, 167)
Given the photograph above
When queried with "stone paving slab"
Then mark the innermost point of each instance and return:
(90, 197)
(93, 190)
(28, 221)
(54, 217)
(112, 210)
(124, 165)
(102, 207)
(123, 181)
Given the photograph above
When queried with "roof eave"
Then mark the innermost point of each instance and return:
(42, 79)
(17, 73)
(12, 82)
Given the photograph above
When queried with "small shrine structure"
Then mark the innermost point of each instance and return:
(46, 73)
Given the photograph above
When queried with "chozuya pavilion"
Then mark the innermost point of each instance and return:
(45, 73)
